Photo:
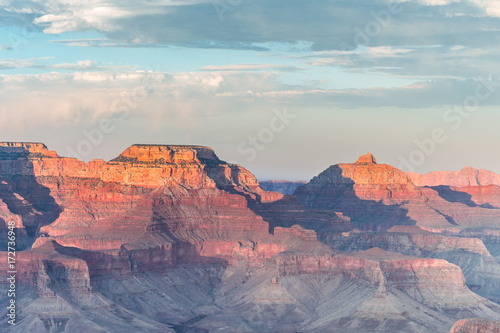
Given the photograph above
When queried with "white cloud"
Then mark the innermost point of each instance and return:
(415, 62)
(90, 65)
(97, 42)
(82, 98)
(261, 23)
(21, 63)
(63, 16)
(249, 67)
(41, 63)
(58, 99)
(489, 7)
(430, 2)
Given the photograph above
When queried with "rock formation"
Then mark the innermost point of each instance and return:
(378, 196)
(466, 177)
(170, 238)
(476, 325)
(151, 208)
(282, 186)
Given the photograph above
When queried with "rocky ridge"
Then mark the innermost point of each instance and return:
(468, 176)
(476, 325)
(282, 186)
(172, 238)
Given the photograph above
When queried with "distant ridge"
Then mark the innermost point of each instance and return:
(468, 176)
(282, 186)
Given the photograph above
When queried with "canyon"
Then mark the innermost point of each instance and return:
(282, 186)
(169, 238)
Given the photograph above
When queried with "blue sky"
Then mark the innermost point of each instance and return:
(354, 76)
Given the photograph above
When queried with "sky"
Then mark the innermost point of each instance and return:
(284, 88)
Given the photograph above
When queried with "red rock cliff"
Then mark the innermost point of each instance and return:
(476, 325)
(466, 177)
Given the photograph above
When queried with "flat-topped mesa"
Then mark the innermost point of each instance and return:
(167, 154)
(192, 166)
(139, 165)
(25, 149)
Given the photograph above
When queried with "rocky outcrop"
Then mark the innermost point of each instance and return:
(470, 186)
(377, 266)
(366, 159)
(387, 210)
(370, 194)
(149, 209)
(483, 196)
(476, 325)
(404, 239)
(282, 186)
(168, 236)
(466, 177)
(378, 197)
(364, 179)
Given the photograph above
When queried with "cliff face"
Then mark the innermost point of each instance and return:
(366, 179)
(282, 186)
(383, 199)
(370, 194)
(171, 236)
(379, 267)
(149, 209)
(466, 177)
(377, 196)
(476, 325)
(469, 185)
(408, 240)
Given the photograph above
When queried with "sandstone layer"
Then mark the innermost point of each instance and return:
(378, 197)
(170, 238)
(476, 325)
(466, 177)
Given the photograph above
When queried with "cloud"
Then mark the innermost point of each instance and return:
(81, 98)
(101, 42)
(21, 63)
(427, 94)
(249, 67)
(487, 7)
(220, 109)
(260, 24)
(77, 99)
(89, 65)
(41, 63)
(431, 2)
(415, 62)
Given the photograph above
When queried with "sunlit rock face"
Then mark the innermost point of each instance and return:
(168, 238)
(466, 177)
(378, 196)
(365, 180)
(150, 208)
(476, 325)
(469, 185)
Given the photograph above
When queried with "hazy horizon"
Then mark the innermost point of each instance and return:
(284, 88)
